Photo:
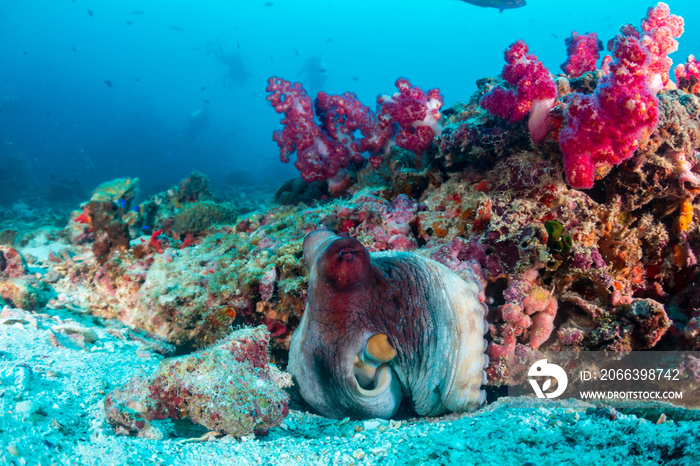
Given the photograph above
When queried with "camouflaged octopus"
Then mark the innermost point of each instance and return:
(383, 326)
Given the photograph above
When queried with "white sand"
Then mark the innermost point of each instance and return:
(51, 398)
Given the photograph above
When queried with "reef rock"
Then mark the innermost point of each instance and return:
(229, 388)
(18, 288)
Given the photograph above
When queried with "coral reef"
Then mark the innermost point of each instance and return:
(12, 264)
(586, 240)
(121, 191)
(196, 217)
(227, 388)
(199, 272)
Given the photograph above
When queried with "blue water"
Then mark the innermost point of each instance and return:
(94, 90)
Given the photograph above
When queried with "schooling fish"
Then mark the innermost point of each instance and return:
(500, 4)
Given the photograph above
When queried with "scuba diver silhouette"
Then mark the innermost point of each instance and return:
(237, 71)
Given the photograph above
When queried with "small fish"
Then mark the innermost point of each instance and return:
(272, 60)
(176, 28)
(73, 49)
(129, 23)
(500, 4)
(137, 79)
(206, 101)
(355, 78)
(204, 88)
(268, 4)
(145, 227)
(297, 52)
(137, 12)
(238, 44)
(108, 83)
(329, 40)
(90, 13)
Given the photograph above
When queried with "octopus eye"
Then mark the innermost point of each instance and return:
(371, 368)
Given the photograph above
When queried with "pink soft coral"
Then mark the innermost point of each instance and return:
(318, 157)
(532, 91)
(410, 119)
(583, 54)
(688, 75)
(604, 129)
(659, 29)
(415, 113)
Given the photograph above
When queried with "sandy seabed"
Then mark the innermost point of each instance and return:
(51, 412)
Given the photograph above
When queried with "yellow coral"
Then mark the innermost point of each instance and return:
(686, 217)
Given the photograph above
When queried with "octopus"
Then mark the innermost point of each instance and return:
(380, 327)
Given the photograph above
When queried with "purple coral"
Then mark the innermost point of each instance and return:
(409, 118)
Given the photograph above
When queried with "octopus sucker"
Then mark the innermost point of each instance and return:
(382, 326)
